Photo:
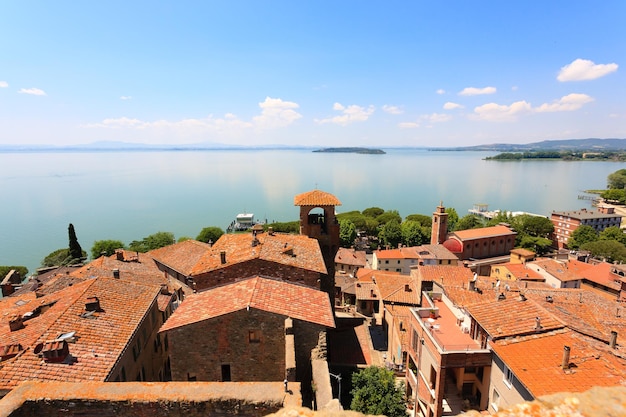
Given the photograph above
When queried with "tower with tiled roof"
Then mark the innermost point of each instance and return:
(439, 226)
(322, 226)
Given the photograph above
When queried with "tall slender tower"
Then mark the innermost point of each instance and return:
(322, 225)
(439, 231)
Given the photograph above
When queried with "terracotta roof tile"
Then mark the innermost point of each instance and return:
(298, 251)
(366, 291)
(491, 316)
(581, 310)
(316, 198)
(602, 274)
(483, 232)
(280, 297)
(537, 362)
(100, 339)
(559, 270)
(350, 257)
(181, 256)
(395, 288)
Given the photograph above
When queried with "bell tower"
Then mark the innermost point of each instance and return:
(439, 231)
(318, 221)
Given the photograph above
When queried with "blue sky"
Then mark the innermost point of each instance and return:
(322, 73)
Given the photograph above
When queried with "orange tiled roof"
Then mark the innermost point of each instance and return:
(483, 232)
(536, 361)
(521, 271)
(581, 310)
(298, 251)
(601, 274)
(280, 297)
(100, 338)
(350, 257)
(395, 288)
(512, 317)
(454, 274)
(559, 270)
(366, 291)
(316, 198)
(416, 252)
(182, 256)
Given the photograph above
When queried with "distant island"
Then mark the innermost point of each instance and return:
(352, 150)
(617, 156)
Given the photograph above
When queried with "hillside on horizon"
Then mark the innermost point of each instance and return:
(590, 144)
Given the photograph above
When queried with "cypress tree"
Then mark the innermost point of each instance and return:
(76, 252)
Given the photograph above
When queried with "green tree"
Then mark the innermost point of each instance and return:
(539, 245)
(375, 392)
(413, 233)
(4, 270)
(613, 233)
(391, 234)
(614, 195)
(284, 227)
(503, 216)
(347, 233)
(469, 221)
(611, 250)
(183, 238)
(424, 220)
(617, 179)
(537, 226)
(210, 234)
(453, 218)
(373, 212)
(105, 247)
(154, 241)
(388, 216)
(58, 257)
(583, 234)
(76, 252)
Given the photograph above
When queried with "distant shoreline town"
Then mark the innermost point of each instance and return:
(580, 145)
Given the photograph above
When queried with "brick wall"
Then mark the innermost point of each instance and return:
(200, 350)
(231, 273)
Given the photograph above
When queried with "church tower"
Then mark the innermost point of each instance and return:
(318, 221)
(439, 231)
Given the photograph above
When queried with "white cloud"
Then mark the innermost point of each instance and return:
(473, 91)
(451, 106)
(392, 109)
(569, 102)
(441, 91)
(499, 112)
(32, 91)
(4, 84)
(276, 113)
(350, 114)
(583, 69)
(429, 119)
(126, 98)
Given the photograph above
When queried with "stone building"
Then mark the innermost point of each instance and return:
(566, 222)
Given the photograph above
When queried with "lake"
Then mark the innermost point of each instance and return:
(129, 195)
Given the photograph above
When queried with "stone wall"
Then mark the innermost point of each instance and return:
(198, 351)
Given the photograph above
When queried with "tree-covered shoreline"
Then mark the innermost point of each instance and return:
(617, 156)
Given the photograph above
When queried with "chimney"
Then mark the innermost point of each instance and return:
(565, 363)
(407, 287)
(223, 256)
(54, 351)
(613, 340)
(522, 297)
(549, 299)
(472, 285)
(501, 297)
(116, 273)
(16, 322)
(270, 231)
(119, 254)
(92, 304)
(537, 323)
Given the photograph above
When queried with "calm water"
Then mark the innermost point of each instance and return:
(130, 195)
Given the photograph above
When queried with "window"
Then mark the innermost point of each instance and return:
(387, 261)
(226, 373)
(495, 400)
(508, 377)
(254, 336)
